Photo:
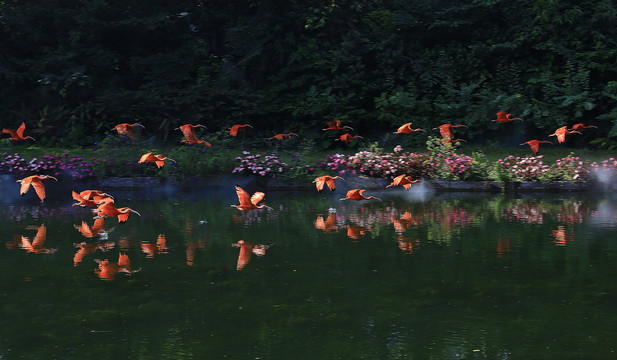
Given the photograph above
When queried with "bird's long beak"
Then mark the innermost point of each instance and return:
(135, 212)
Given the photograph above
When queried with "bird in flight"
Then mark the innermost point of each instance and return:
(336, 125)
(234, 129)
(18, 135)
(37, 183)
(159, 159)
(248, 202)
(406, 129)
(404, 181)
(356, 195)
(326, 180)
(502, 117)
(127, 129)
(535, 144)
(562, 132)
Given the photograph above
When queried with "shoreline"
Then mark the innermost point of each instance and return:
(358, 182)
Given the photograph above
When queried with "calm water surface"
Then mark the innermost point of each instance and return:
(418, 275)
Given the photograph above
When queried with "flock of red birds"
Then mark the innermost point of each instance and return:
(104, 206)
(250, 202)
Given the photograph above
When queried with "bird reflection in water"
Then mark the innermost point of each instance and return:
(560, 236)
(107, 270)
(86, 248)
(328, 225)
(407, 244)
(503, 247)
(357, 231)
(247, 249)
(150, 249)
(36, 246)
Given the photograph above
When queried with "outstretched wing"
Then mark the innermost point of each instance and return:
(243, 196)
(25, 186)
(319, 183)
(257, 197)
(40, 189)
(20, 129)
(331, 183)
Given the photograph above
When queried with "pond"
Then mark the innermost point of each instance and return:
(417, 275)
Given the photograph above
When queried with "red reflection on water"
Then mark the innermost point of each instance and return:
(90, 248)
(560, 236)
(191, 248)
(91, 231)
(407, 244)
(247, 249)
(107, 270)
(405, 222)
(356, 231)
(503, 247)
(36, 246)
(150, 249)
(328, 225)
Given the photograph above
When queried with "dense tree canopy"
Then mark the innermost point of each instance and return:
(73, 69)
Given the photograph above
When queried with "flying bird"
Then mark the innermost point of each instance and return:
(107, 209)
(127, 129)
(18, 135)
(282, 137)
(336, 125)
(234, 129)
(502, 117)
(326, 180)
(446, 130)
(535, 144)
(159, 159)
(404, 181)
(347, 137)
(562, 132)
(406, 129)
(356, 195)
(248, 202)
(37, 182)
(188, 130)
(581, 126)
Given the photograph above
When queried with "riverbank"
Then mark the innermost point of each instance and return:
(354, 182)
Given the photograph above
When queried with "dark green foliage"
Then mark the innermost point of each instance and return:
(72, 70)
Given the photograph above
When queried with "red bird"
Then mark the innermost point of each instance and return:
(336, 125)
(406, 129)
(159, 159)
(234, 129)
(37, 182)
(403, 180)
(126, 129)
(356, 195)
(446, 130)
(348, 137)
(535, 144)
(581, 126)
(561, 133)
(282, 137)
(248, 202)
(326, 180)
(17, 135)
(188, 130)
(107, 209)
(502, 117)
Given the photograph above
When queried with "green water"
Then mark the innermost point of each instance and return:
(455, 276)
